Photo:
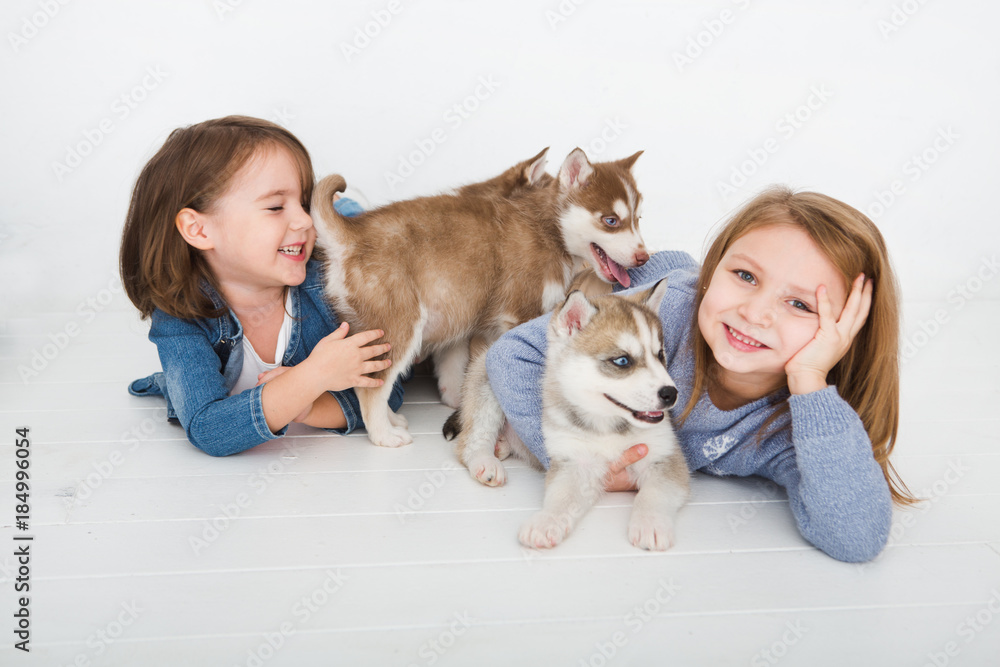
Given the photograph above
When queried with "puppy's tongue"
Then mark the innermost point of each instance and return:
(619, 272)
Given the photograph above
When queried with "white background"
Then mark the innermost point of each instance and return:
(894, 76)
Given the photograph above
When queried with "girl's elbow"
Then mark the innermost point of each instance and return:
(861, 541)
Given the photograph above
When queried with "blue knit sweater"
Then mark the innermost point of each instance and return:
(836, 490)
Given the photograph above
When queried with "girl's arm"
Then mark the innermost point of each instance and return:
(836, 490)
(213, 421)
(220, 424)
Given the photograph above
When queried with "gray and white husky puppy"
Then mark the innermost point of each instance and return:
(605, 389)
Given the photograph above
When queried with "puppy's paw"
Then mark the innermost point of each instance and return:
(398, 420)
(650, 532)
(392, 437)
(543, 531)
(488, 470)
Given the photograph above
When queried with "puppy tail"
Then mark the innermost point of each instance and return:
(453, 425)
(323, 196)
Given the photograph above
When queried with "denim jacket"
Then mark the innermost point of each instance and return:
(202, 360)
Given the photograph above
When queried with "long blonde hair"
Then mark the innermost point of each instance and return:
(867, 377)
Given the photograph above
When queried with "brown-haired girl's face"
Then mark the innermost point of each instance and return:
(761, 306)
(260, 234)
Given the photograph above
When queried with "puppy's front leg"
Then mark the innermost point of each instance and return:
(571, 489)
(663, 489)
(384, 429)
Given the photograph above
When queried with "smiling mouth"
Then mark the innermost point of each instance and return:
(743, 338)
(612, 271)
(648, 417)
(293, 250)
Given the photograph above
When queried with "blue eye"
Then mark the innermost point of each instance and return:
(800, 305)
(611, 221)
(622, 362)
(745, 276)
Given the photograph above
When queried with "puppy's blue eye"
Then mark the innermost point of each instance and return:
(622, 361)
(611, 221)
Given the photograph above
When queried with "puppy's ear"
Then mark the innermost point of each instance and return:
(629, 162)
(575, 170)
(652, 297)
(535, 167)
(575, 314)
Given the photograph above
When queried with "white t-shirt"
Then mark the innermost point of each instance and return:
(252, 364)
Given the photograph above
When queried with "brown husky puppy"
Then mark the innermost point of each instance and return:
(437, 272)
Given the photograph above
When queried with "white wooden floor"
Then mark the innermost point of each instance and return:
(319, 550)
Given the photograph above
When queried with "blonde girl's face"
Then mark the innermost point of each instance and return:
(760, 307)
(260, 234)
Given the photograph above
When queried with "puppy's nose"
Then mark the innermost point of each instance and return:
(641, 257)
(668, 395)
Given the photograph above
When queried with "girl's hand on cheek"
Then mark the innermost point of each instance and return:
(808, 368)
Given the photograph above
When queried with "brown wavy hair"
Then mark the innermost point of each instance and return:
(193, 168)
(867, 377)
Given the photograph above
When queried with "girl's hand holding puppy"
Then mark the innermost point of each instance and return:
(337, 362)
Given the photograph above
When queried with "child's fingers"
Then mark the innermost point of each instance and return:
(364, 337)
(376, 366)
(368, 382)
(369, 351)
(340, 332)
(853, 305)
(631, 455)
(825, 307)
(863, 308)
